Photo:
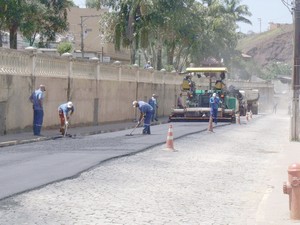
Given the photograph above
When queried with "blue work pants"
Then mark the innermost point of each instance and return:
(38, 116)
(214, 114)
(147, 122)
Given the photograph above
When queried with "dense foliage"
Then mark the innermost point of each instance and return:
(64, 47)
(32, 17)
(171, 33)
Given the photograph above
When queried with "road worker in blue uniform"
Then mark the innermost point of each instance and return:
(37, 100)
(65, 111)
(153, 102)
(214, 105)
(146, 114)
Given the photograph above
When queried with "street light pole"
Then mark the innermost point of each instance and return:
(296, 75)
(82, 19)
(81, 37)
(259, 19)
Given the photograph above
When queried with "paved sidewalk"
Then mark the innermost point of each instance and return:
(274, 207)
(48, 134)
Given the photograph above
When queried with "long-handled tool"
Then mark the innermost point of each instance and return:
(135, 127)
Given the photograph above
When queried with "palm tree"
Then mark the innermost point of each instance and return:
(238, 11)
(130, 23)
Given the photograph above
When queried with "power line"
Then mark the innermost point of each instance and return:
(289, 5)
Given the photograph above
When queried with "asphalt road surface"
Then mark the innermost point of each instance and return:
(212, 179)
(29, 166)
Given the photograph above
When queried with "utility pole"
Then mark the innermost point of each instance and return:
(82, 19)
(296, 75)
(259, 19)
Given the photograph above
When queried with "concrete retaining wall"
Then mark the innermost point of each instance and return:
(95, 101)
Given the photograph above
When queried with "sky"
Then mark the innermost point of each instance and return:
(263, 12)
(80, 3)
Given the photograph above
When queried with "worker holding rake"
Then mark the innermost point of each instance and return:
(146, 114)
(65, 111)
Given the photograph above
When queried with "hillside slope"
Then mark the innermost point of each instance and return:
(275, 45)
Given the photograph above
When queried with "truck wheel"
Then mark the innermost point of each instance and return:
(233, 119)
(255, 110)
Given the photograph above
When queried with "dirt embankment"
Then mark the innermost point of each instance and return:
(272, 46)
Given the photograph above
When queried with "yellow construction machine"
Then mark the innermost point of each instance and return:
(197, 106)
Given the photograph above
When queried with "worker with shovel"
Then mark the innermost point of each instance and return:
(65, 111)
(146, 114)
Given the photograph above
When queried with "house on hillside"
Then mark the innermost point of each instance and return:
(273, 26)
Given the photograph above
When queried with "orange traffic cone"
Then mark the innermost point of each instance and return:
(210, 124)
(170, 144)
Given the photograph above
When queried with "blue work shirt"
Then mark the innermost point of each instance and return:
(153, 103)
(64, 108)
(145, 107)
(36, 98)
(214, 102)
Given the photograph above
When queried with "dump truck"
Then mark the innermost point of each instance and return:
(197, 100)
(251, 97)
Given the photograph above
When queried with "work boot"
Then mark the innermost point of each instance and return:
(62, 131)
(148, 130)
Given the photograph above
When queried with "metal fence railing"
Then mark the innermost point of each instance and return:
(31, 63)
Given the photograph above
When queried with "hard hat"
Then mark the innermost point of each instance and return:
(69, 104)
(134, 103)
(214, 94)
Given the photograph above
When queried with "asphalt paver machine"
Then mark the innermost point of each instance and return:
(197, 106)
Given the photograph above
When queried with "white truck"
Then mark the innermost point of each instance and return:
(250, 98)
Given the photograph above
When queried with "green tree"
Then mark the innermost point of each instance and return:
(275, 69)
(130, 18)
(31, 16)
(12, 19)
(64, 47)
(32, 22)
(219, 37)
(171, 20)
(3, 9)
(176, 32)
(55, 19)
(92, 4)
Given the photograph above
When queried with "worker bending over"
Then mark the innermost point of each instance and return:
(65, 111)
(146, 114)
